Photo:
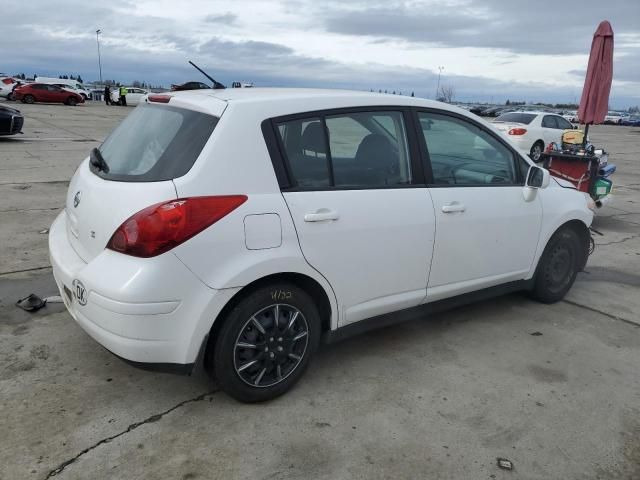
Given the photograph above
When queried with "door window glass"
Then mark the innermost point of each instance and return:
(549, 121)
(461, 153)
(368, 149)
(306, 149)
(563, 124)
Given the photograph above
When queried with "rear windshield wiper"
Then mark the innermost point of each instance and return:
(97, 160)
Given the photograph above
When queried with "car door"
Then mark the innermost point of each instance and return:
(56, 94)
(550, 129)
(486, 232)
(363, 215)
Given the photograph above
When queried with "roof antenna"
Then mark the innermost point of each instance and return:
(216, 85)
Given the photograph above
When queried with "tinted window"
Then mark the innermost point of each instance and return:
(563, 123)
(369, 149)
(516, 117)
(365, 150)
(155, 143)
(461, 153)
(549, 121)
(306, 149)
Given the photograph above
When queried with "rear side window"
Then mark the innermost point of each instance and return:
(155, 143)
(549, 121)
(349, 150)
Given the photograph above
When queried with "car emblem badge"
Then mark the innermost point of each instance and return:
(76, 199)
(79, 292)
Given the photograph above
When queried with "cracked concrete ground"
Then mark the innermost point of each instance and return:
(553, 388)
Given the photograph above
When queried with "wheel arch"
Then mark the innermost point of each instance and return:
(307, 283)
(580, 228)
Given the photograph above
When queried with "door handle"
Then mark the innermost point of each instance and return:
(321, 215)
(453, 207)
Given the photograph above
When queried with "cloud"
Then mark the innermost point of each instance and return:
(224, 19)
(391, 44)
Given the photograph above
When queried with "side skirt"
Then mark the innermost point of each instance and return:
(421, 311)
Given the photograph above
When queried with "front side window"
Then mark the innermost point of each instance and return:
(364, 149)
(462, 153)
(563, 124)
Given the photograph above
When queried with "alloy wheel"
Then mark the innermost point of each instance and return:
(270, 346)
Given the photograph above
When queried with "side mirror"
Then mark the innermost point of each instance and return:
(537, 177)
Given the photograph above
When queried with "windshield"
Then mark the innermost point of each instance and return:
(516, 117)
(155, 143)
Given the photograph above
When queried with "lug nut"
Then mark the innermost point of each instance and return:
(272, 355)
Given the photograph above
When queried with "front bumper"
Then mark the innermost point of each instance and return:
(146, 311)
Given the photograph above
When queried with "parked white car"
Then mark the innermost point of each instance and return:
(239, 228)
(614, 118)
(6, 86)
(134, 95)
(532, 131)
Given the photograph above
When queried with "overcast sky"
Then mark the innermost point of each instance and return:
(491, 50)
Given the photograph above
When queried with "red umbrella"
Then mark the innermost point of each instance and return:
(594, 103)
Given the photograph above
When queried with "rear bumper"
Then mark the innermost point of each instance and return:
(149, 312)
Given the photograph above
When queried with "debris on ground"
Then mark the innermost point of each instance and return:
(33, 302)
(536, 334)
(504, 464)
(42, 232)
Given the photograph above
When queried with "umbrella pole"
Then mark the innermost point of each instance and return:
(586, 132)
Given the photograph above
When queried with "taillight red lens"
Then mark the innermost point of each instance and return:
(163, 226)
(8, 81)
(517, 131)
(159, 98)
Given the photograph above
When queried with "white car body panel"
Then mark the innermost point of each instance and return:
(535, 131)
(388, 250)
(493, 240)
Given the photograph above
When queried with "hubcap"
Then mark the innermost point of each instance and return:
(271, 345)
(536, 152)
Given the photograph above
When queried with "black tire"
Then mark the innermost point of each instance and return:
(558, 266)
(72, 101)
(29, 99)
(254, 362)
(536, 151)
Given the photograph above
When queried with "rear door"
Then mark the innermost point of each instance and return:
(362, 213)
(486, 233)
(550, 129)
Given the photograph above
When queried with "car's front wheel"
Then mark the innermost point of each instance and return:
(73, 101)
(266, 343)
(558, 266)
(536, 151)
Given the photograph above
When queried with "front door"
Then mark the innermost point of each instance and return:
(361, 220)
(486, 233)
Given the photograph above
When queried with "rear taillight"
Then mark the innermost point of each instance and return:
(163, 226)
(159, 98)
(517, 131)
(8, 81)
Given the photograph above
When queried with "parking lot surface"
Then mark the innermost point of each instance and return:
(553, 388)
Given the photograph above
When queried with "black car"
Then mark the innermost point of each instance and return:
(11, 120)
(190, 86)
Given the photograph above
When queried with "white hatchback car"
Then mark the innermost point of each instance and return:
(238, 228)
(532, 131)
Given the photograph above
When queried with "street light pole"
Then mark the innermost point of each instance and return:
(98, 32)
(440, 69)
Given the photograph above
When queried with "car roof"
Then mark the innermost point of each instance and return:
(281, 101)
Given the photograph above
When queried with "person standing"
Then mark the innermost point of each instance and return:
(123, 96)
(107, 95)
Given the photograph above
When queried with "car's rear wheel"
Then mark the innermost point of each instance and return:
(29, 99)
(73, 101)
(558, 266)
(266, 343)
(536, 151)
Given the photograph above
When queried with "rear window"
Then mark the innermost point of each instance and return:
(516, 117)
(155, 143)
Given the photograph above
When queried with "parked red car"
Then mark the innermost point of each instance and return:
(42, 92)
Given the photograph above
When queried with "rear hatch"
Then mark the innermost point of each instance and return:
(132, 170)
